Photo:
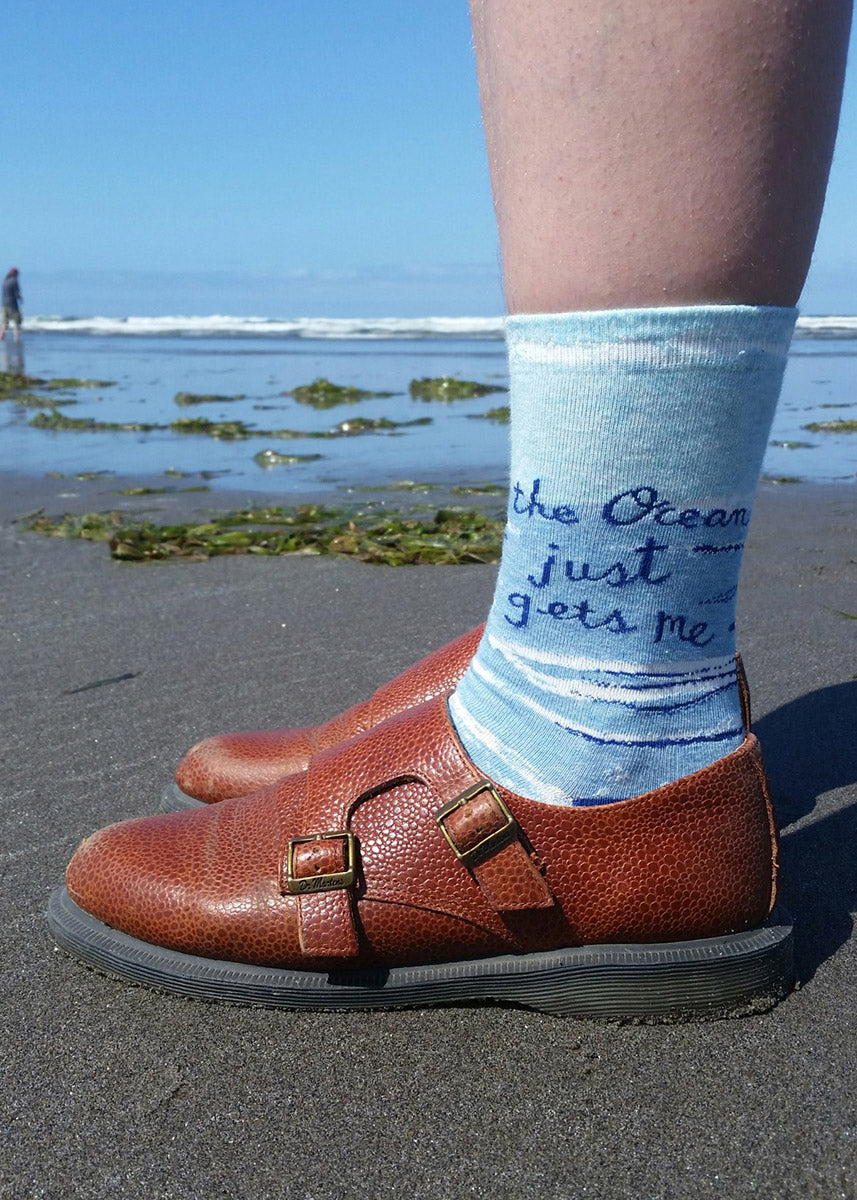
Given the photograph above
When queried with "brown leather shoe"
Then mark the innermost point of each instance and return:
(236, 764)
(391, 873)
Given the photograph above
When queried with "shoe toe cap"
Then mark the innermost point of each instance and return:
(204, 882)
(235, 764)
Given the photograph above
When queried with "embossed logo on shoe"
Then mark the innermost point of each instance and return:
(321, 862)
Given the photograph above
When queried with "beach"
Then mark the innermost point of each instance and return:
(210, 402)
(114, 669)
(347, 341)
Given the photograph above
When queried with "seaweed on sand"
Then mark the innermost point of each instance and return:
(65, 385)
(500, 415)
(159, 491)
(395, 539)
(479, 489)
(31, 400)
(227, 431)
(58, 421)
(184, 399)
(398, 485)
(223, 430)
(13, 382)
(372, 425)
(321, 393)
(272, 458)
(444, 387)
(832, 426)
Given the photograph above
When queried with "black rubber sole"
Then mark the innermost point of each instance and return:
(728, 976)
(173, 799)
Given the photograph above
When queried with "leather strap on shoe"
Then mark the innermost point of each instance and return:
(320, 870)
(322, 864)
(321, 867)
(486, 838)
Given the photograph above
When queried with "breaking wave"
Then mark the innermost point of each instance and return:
(329, 328)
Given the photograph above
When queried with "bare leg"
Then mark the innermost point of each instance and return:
(647, 154)
(659, 171)
(667, 160)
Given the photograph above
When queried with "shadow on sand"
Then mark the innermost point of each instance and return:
(811, 748)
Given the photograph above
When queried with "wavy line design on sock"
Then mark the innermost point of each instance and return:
(597, 689)
(515, 763)
(686, 737)
(658, 743)
(678, 670)
(597, 692)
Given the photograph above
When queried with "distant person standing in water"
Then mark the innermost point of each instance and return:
(11, 303)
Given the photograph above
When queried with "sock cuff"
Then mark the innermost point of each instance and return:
(752, 337)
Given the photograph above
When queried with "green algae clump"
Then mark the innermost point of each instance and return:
(184, 399)
(229, 431)
(373, 425)
(159, 491)
(446, 388)
(479, 489)
(17, 387)
(500, 415)
(67, 385)
(393, 539)
(832, 427)
(59, 422)
(272, 458)
(321, 393)
(14, 382)
(398, 485)
(90, 527)
(223, 430)
(31, 400)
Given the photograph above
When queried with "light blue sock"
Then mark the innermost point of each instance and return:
(607, 664)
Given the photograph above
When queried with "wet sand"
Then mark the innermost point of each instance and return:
(112, 1090)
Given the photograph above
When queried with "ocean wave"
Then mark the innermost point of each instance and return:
(826, 327)
(331, 329)
(325, 328)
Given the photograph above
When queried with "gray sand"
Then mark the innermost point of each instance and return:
(110, 1090)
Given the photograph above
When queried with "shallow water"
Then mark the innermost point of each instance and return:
(148, 371)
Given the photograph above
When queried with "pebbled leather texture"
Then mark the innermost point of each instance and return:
(693, 859)
(235, 764)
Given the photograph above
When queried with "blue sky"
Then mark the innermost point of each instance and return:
(274, 157)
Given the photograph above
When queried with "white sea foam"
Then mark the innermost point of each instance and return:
(326, 328)
(329, 328)
(826, 327)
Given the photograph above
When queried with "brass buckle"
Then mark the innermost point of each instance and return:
(492, 841)
(300, 885)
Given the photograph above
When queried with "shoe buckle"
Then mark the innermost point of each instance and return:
(322, 882)
(494, 840)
